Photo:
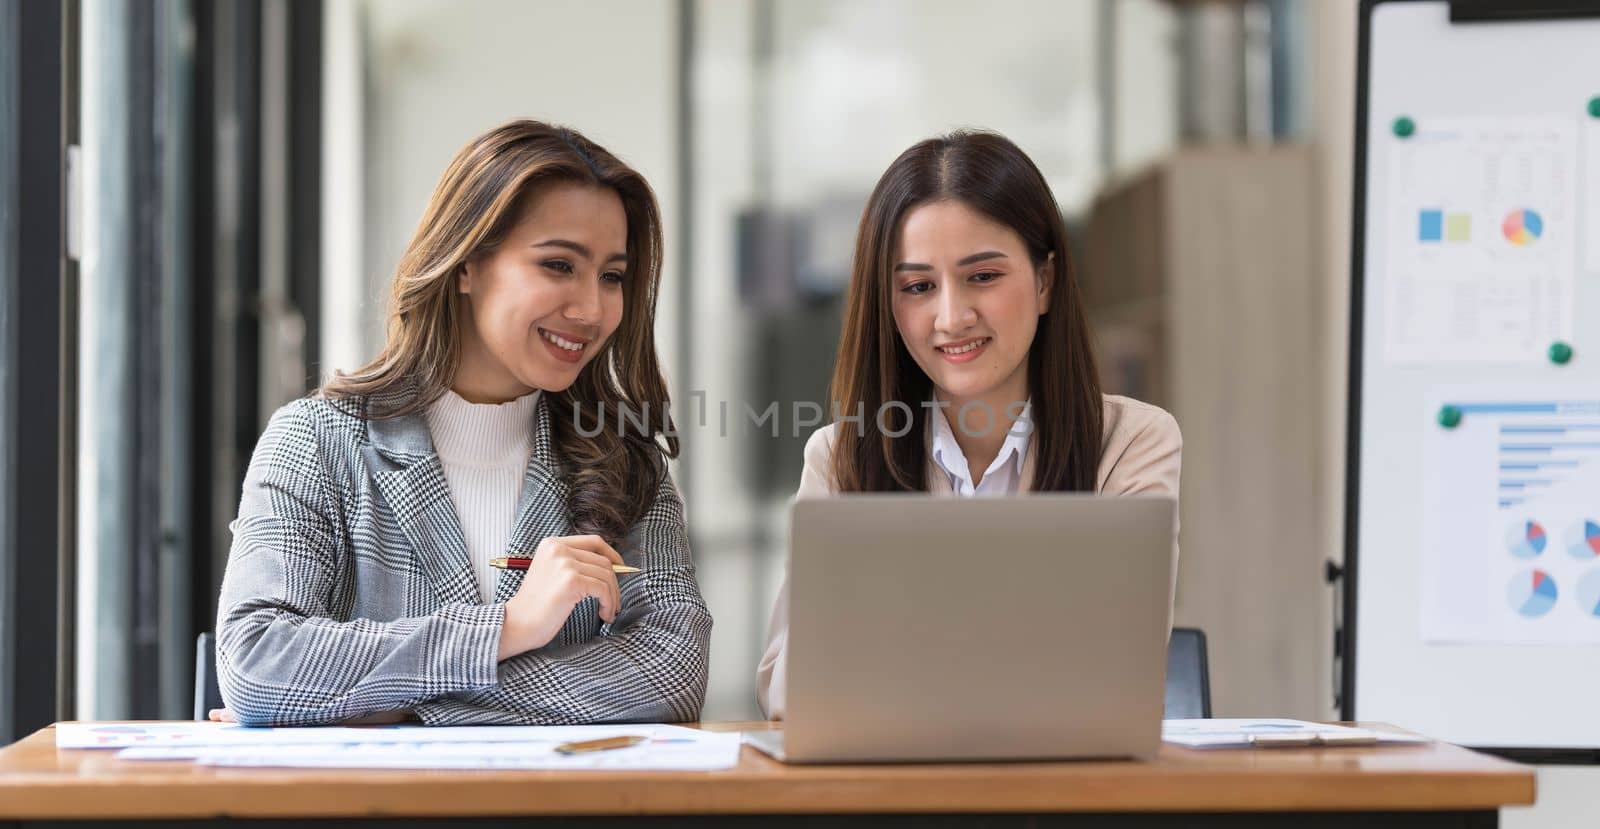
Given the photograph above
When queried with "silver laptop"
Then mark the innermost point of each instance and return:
(962, 629)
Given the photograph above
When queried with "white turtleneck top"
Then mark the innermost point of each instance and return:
(484, 449)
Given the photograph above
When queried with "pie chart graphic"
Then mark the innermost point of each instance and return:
(1522, 227)
(1526, 539)
(1589, 594)
(1583, 539)
(1532, 593)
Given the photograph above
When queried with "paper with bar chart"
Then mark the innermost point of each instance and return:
(1480, 241)
(1511, 532)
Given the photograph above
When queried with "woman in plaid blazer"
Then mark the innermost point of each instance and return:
(349, 595)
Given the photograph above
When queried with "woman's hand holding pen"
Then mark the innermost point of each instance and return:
(564, 571)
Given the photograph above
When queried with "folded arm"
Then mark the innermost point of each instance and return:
(649, 665)
(282, 659)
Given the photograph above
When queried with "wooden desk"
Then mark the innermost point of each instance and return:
(1414, 786)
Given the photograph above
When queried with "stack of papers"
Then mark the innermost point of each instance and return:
(1275, 733)
(667, 747)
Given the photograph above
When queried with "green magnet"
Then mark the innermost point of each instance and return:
(1450, 417)
(1594, 106)
(1560, 353)
(1404, 127)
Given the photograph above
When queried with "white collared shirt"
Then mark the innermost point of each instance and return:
(1004, 475)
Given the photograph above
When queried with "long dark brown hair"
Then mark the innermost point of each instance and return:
(486, 189)
(991, 175)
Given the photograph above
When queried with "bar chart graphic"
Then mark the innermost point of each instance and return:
(1535, 453)
(1436, 225)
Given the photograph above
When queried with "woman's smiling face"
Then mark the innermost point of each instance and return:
(544, 302)
(967, 301)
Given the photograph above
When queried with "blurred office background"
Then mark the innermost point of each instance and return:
(205, 202)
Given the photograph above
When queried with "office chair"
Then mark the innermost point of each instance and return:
(207, 694)
(1188, 676)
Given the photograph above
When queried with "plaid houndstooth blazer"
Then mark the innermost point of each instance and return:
(349, 591)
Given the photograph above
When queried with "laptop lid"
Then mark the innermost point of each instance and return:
(1021, 627)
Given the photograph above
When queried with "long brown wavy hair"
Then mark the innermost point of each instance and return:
(489, 184)
(989, 174)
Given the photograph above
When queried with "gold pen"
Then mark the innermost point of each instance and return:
(602, 744)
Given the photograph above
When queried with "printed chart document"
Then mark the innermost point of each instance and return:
(667, 747)
(1511, 523)
(179, 734)
(1480, 239)
(1274, 733)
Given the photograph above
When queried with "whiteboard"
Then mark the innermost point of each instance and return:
(1473, 580)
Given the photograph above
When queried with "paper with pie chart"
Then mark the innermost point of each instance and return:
(1511, 530)
(1480, 243)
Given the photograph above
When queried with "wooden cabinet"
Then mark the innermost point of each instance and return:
(1200, 279)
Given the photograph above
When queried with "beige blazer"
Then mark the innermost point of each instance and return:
(1140, 453)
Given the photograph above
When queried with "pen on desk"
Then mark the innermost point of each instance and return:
(519, 563)
(602, 744)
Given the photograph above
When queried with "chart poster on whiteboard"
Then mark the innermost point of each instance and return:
(1482, 254)
(1511, 524)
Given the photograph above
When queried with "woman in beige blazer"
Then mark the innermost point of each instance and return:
(965, 348)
